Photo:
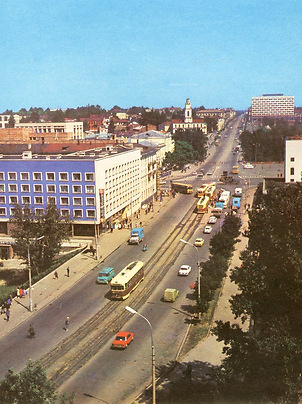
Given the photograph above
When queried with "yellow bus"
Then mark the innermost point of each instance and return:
(235, 170)
(182, 188)
(202, 204)
(210, 192)
(127, 280)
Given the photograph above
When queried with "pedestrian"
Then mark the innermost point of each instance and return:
(18, 292)
(7, 313)
(56, 275)
(67, 322)
(3, 308)
(111, 228)
(67, 272)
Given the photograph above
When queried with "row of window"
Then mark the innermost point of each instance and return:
(51, 188)
(39, 200)
(123, 168)
(78, 213)
(51, 176)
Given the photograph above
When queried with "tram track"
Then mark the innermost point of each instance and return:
(78, 348)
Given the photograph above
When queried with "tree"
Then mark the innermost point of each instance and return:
(11, 122)
(269, 354)
(111, 126)
(28, 227)
(195, 137)
(29, 386)
(182, 154)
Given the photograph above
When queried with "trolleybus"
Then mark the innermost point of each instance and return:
(202, 204)
(127, 280)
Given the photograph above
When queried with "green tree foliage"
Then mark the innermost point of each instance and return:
(30, 386)
(266, 359)
(182, 154)
(211, 122)
(195, 137)
(111, 126)
(152, 117)
(11, 122)
(214, 270)
(26, 228)
(267, 143)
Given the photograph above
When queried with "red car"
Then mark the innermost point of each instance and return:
(122, 340)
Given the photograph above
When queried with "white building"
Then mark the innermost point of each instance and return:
(75, 128)
(293, 159)
(273, 106)
(4, 120)
(162, 141)
(189, 122)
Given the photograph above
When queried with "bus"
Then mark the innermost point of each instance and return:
(235, 170)
(202, 190)
(202, 204)
(210, 192)
(182, 188)
(207, 189)
(224, 198)
(127, 280)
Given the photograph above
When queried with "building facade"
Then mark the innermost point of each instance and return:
(4, 120)
(74, 128)
(293, 159)
(189, 122)
(273, 106)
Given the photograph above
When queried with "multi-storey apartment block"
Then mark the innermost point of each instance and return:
(273, 106)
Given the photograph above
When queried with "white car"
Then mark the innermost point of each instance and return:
(210, 173)
(248, 165)
(212, 220)
(194, 173)
(184, 270)
(208, 229)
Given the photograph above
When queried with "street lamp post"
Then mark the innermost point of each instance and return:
(29, 272)
(153, 351)
(198, 272)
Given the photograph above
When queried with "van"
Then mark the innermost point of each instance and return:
(238, 191)
(170, 295)
(105, 275)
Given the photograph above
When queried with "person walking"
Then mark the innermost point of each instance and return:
(67, 272)
(31, 332)
(67, 322)
(56, 275)
(7, 313)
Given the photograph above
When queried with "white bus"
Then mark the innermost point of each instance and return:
(225, 198)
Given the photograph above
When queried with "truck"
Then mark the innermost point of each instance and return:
(136, 235)
(238, 192)
(236, 202)
(226, 178)
(170, 295)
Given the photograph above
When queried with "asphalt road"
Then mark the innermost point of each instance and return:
(116, 377)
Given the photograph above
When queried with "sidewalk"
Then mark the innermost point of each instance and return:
(49, 288)
(209, 350)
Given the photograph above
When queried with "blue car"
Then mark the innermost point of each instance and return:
(105, 275)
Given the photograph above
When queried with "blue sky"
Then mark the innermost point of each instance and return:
(61, 54)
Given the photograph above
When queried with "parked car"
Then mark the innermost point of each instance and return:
(212, 220)
(194, 173)
(184, 270)
(248, 165)
(199, 242)
(122, 340)
(207, 229)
